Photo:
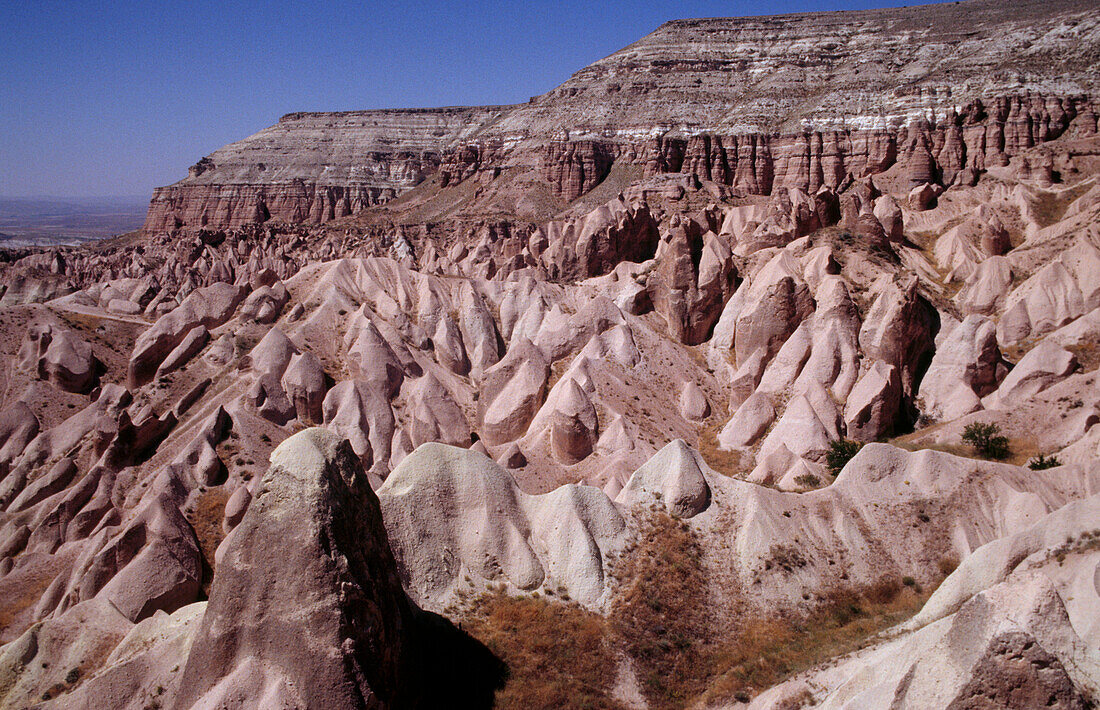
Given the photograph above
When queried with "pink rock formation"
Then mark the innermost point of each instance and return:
(316, 497)
(898, 330)
(574, 425)
(305, 383)
(872, 406)
(966, 367)
(209, 307)
(511, 392)
(776, 303)
(360, 644)
(1042, 367)
(693, 403)
(675, 477)
(656, 251)
(749, 422)
(58, 355)
(191, 345)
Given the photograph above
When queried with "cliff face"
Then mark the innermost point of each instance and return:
(755, 103)
(314, 167)
(983, 135)
(792, 73)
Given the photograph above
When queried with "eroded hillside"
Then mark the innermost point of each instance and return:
(586, 455)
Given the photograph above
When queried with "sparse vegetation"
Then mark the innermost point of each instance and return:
(1021, 450)
(1050, 207)
(664, 622)
(807, 480)
(206, 520)
(948, 565)
(764, 651)
(1088, 541)
(987, 440)
(661, 617)
(557, 370)
(25, 595)
(728, 463)
(1087, 353)
(1042, 462)
(785, 557)
(840, 453)
(558, 654)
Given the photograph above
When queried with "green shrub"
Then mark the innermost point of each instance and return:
(1042, 463)
(997, 448)
(840, 453)
(987, 440)
(807, 480)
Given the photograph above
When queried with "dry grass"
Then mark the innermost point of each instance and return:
(557, 370)
(765, 651)
(1088, 355)
(83, 322)
(1050, 207)
(664, 622)
(728, 463)
(698, 354)
(808, 481)
(1021, 450)
(18, 598)
(558, 655)
(959, 449)
(661, 616)
(206, 520)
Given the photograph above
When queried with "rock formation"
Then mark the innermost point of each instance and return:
(344, 647)
(954, 122)
(596, 367)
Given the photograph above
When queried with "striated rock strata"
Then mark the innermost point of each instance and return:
(756, 103)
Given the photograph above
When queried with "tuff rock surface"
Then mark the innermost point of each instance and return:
(641, 308)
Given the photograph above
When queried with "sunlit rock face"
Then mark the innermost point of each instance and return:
(800, 100)
(675, 355)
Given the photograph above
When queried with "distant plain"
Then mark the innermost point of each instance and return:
(43, 221)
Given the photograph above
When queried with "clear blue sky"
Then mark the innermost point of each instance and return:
(115, 97)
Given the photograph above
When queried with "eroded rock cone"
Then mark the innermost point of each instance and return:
(575, 425)
(873, 404)
(306, 609)
(693, 403)
(209, 307)
(1017, 672)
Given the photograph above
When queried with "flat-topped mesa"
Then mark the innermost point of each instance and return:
(790, 74)
(757, 103)
(314, 167)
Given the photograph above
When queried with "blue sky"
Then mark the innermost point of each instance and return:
(117, 97)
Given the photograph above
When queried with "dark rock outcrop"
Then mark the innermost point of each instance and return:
(307, 608)
(1017, 672)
